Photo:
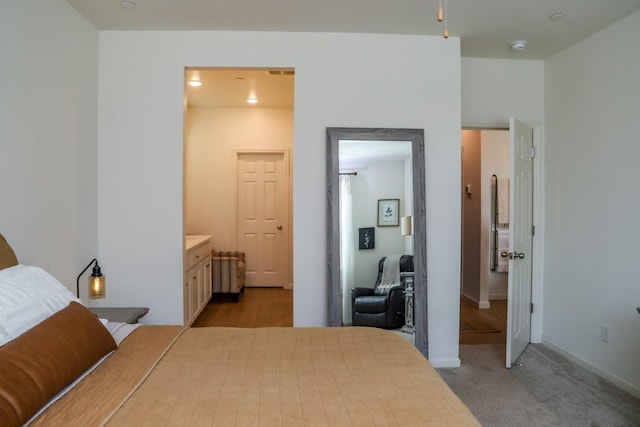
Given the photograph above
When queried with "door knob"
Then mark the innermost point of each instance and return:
(279, 227)
(518, 255)
(505, 254)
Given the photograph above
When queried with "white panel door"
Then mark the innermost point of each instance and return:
(520, 240)
(263, 217)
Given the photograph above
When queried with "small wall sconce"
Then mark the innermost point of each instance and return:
(97, 282)
(406, 226)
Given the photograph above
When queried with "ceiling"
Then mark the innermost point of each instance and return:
(486, 27)
(231, 87)
(356, 154)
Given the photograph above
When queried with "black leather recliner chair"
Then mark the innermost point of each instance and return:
(380, 307)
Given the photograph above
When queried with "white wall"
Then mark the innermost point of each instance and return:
(408, 201)
(380, 180)
(495, 89)
(48, 121)
(351, 80)
(215, 134)
(492, 91)
(592, 101)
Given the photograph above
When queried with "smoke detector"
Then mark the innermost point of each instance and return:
(519, 45)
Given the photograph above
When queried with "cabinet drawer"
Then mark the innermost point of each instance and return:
(203, 251)
(198, 254)
(194, 258)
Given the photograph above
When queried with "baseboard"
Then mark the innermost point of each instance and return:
(445, 363)
(498, 296)
(626, 386)
(479, 304)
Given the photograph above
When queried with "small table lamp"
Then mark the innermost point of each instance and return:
(97, 288)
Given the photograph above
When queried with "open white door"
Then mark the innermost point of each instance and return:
(520, 239)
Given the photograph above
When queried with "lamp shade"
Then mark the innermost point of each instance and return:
(97, 284)
(406, 226)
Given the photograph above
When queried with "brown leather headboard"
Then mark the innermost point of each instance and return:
(7, 256)
(36, 365)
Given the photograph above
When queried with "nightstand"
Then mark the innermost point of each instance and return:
(120, 314)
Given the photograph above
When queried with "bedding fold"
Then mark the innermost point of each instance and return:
(92, 400)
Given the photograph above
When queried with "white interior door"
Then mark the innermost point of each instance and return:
(263, 217)
(521, 239)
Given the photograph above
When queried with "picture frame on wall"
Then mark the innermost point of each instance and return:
(388, 212)
(367, 238)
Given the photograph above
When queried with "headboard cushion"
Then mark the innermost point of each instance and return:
(7, 256)
(35, 366)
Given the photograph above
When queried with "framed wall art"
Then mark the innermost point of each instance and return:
(367, 238)
(388, 212)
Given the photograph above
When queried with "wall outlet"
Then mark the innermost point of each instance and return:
(604, 333)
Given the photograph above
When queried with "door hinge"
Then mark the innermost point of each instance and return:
(531, 308)
(533, 152)
(533, 230)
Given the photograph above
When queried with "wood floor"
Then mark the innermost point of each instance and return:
(257, 308)
(495, 316)
(264, 307)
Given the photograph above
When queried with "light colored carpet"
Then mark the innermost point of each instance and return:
(547, 390)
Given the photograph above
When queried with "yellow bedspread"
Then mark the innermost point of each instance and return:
(264, 377)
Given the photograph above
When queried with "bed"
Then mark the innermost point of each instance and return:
(176, 376)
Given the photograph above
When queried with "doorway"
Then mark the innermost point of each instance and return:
(230, 111)
(483, 290)
(485, 165)
(510, 228)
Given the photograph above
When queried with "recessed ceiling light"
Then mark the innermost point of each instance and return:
(252, 100)
(556, 16)
(195, 83)
(127, 4)
(519, 45)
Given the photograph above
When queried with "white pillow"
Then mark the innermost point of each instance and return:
(28, 295)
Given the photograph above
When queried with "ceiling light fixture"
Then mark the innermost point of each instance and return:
(442, 16)
(252, 100)
(556, 16)
(519, 45)
(195, 83)
(127, 4)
